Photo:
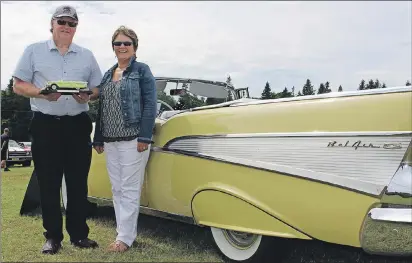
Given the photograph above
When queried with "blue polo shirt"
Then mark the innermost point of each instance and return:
(42, 62)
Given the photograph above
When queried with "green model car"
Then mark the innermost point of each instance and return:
(68, 87)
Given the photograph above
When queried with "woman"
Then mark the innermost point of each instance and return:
(124, 128)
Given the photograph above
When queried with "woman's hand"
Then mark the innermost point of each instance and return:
(141, 146)
(99, 149)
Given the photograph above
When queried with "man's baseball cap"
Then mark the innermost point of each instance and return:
(65, 11)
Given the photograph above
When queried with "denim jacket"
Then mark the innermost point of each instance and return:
(139, 100)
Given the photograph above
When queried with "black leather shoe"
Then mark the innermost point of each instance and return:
(85, 243)
(51, 247)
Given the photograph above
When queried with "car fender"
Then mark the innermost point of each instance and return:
(226, 208)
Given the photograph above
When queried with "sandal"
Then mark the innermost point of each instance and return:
(117, 246)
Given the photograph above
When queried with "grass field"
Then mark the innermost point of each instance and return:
(159, 240)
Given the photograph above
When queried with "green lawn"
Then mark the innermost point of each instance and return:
(159, 240)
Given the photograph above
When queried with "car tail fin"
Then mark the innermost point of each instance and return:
(399, 190)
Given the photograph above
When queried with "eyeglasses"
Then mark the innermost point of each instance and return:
(125, 43)
(62, 23)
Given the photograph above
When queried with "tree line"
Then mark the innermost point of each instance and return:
(308, 89)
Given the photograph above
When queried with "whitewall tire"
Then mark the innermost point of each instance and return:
(64, 193)
(237, 246)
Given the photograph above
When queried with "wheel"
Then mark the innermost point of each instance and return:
(243, 247)
(54, 86)
(26, 163)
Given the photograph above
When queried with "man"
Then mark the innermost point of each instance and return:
(5, 149)
(60, 127)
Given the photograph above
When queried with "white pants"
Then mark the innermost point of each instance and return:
(126, 168)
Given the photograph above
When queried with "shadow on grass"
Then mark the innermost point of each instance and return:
(296, 251)
(161, 229)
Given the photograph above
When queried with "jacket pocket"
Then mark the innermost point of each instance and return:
(133, 97)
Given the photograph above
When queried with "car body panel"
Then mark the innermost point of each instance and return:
(222, 210)
(298, 202)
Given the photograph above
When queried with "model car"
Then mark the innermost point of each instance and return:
(68, 87)
(334, 167)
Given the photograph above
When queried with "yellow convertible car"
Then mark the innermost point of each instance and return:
(334, 167)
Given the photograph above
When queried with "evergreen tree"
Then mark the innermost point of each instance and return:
(299, 94)
(371, 85)
(321, 89)
(407, 83)
(327, 89)
(15, 113)
(285, 93)
(362, 85)
(377, 84)
(267, 92)
(383, 85)
(308, 88)
(340, 88)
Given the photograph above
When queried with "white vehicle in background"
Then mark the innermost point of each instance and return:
(18, 154)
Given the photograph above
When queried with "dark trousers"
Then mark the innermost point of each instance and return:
(62, 145)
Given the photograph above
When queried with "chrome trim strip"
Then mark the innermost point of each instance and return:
(332, 95)
(291, 134)
(146, 211)
(158, 213)
(400, 215)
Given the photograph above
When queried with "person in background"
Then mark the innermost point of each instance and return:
(124, 126)
(5, 149)
(60, 127)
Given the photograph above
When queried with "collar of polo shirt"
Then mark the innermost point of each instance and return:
(73, 47)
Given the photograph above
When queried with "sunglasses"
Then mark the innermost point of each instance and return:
(125, 43)
(62, 23)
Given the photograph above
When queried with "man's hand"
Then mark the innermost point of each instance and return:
(3, 163)
(81, 97)
(51, 96)
(99, 149)
(141, 146)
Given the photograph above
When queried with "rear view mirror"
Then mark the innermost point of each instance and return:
(177, 92)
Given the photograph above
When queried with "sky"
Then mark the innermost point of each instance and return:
(283, 43)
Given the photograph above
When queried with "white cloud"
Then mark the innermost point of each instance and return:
(281, 42)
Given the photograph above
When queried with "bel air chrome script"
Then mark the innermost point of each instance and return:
(359, 144)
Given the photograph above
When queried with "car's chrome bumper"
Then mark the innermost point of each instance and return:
(388, 231)
(400, 215)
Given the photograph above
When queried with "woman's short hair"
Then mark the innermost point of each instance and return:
(127, 32)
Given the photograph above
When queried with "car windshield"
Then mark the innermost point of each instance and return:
(182, 94)
(13, 143)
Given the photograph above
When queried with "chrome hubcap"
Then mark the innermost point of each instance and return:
(240, 240)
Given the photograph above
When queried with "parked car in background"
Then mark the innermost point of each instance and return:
(334, 167)
(26, 145)
(18, 154)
